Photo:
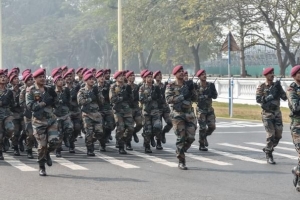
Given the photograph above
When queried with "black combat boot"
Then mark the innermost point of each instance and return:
(152, 141)
(117, 144)
(1, 155)
(42, 169)
(147, 148)
(202, 147)
(29, 154)
(49, 160)
(205, 142)
(66, 141)
(121, 149)
(163, 136)
(158, 145)
(135, 137)
(72, 147)
(21, 144)
(90, 151)
(102, 146)
(16, 150)
(128, 146)
(296, 180)
(181, 165)
(6, 144)
(58, 153)
(269, 156)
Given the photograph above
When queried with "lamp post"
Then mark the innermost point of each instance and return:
(120, 56)
(1, 34)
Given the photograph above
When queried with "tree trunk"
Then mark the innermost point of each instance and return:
(195, 52)
(242, 52)
(142, 64)
(149, 58)
(279, 59)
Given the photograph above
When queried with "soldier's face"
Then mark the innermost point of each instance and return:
(158, 77)
(107, 75)
(179, 74)
(270, 76)
(40, 80)
(15, 81)
(149, 79)
(29, 82)
(79, 74)
(59, 82)
(297, 77)
(185, 77)
(131, 78)
(3, 79)
(68, 78)
(120, 78)
(90, 81)
(101, 79)
(202, 77)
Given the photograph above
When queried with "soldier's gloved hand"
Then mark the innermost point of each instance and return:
(270, 97)
(190, 84)
(203, 97)
(48, 101)
(149, 99)
(92, 96)
(88, 100)
(186, 93)
(60, 101)
(154, 96)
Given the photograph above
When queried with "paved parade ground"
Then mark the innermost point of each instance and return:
(233, 168)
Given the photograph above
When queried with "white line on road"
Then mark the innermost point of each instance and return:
(258, 150)
(262, 145)
(111, 160)
(289, 143)
(18, 164)
(67, 163)
(152, 158)
(239, 157)
(200, 158)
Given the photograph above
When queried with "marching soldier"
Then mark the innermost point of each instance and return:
(30, 140)
(120, 95)
(205, 112)
(39, 100)
(89, 98)
(165, 111)
(62, 112)
(293, 95)
(268, 95)
(105, 109)
(180, 94)
(151, 99)
(136, 110)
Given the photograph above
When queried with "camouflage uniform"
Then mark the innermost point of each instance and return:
(62, 112)
(182, 114)
(165, 112)
(75, 115)
(44, 124)
(6, 118)
(151, 99)
(29, 141)
(269, 97)
(205, 112)
(90, 100)
(121, 98)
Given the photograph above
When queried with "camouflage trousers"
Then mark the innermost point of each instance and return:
(47, 136)
(207, 124)
(184, 126)
(77, 125)
(295, 131)
(94, 131)
(19, 127)
(65, 127)
(168, 120)
(29, 133)
(138, 120)
(124, 127)
(108, 122)
(152, 126)
(6, 129)
(273, 125)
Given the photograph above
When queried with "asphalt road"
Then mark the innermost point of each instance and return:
(233, 168)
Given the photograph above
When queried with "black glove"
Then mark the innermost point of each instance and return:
(190, 84)
(5, 101)
(186, 93)
(95, 90)
(48, 100)
(155, 93)
(51, 92)
(274, 92)
(92, 96)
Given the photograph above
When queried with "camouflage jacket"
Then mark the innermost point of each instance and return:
(151, 98)
(34, 97)
(105, 92)
(174, 97)
(22, 102)
(263, 96)
(293, 95)
(62, 102)
(121, 98)
(205, 96)
(6, 103)
(17, 109)
(74, 89)
(135, 93)
(165, 106)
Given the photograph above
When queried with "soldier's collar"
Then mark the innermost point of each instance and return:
(267, 84)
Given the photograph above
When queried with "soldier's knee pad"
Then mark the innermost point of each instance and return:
(9, 127)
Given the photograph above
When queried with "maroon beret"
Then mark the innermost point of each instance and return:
(5, 71)
(201, 71)
(26, 71)
(93, 69)
(79, 70)
(11, 78)
(107, 70)
(148, 73)
(185, 72)
(10, 73)
(55, 72)
(55, 79)
(268, 70)
(89, 71)
(25, 74)
(294, 70)
(26, 77)
(129, 74)
(16, 69)
(38, 72)
(69, 72)
(64, 67)
(84, 70)
(2, 72)
(156, 73)
(143, 72)
(117, 74)
(87, 76)
(176, 69)
(99, 73)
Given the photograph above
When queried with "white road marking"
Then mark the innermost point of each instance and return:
(262, 145)
(18, 164)
(200, 158)
(67, 163)
(289, 143)
(259, 150)
(111, 160)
